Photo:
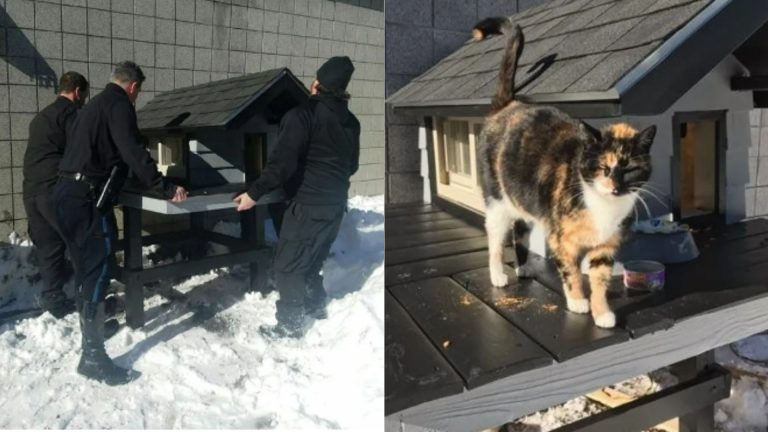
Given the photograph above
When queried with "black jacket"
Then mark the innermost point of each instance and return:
(47, 140)
(317, 151)
(105, 134)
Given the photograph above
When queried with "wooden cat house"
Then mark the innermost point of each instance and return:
(219, 133)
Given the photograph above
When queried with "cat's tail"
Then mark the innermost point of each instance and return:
(505, 89)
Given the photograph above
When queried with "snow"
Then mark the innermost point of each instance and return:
(202, 360)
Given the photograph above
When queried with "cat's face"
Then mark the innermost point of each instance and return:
(618, 161)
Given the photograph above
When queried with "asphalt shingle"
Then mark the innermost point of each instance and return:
(211, 104)
(591, 45)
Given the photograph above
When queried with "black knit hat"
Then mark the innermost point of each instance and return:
(336, 73)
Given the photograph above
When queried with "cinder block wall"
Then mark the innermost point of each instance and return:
(419, 34)
(180, 43)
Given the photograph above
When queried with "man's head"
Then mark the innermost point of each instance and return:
(74, 87)
(333, 77)
(129, 76)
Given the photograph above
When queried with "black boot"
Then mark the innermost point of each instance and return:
(94, 361)
(57, 303)
(291, 323)
(316, 299)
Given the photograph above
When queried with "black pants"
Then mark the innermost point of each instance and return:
(49, 242)
(90, 235)
(306, 236)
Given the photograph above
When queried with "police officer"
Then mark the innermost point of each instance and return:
(105, 135)
(47, 140)
(317, 152)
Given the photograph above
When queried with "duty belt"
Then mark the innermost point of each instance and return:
(94, 183)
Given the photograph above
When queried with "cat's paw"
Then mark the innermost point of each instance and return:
(606, 320)
(580, 306)
(499, 279)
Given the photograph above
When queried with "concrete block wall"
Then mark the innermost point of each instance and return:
(180, 43)
(419, 34)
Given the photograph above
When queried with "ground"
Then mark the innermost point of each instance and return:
(202, 360)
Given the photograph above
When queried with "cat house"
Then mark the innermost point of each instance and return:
(695, 69)
(218, 134)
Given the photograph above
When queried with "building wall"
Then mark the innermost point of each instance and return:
(419, 34)
(180, 43)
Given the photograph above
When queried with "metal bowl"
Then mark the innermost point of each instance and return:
(643, 275)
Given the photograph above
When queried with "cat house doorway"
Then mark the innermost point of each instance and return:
(698, 167)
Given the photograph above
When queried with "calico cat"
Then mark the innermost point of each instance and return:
(538, 165)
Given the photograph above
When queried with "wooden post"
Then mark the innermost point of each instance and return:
(702, 420)
(252, 231)
(134, 289)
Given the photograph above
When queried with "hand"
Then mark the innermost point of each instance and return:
(180, 195)
(244, 202)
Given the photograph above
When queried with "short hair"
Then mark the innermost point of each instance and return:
(72, 80)
(127, 71)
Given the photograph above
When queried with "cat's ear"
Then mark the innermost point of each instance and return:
(592, 131)
(644, 139)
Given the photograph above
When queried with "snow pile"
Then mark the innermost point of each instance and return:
(204, 363)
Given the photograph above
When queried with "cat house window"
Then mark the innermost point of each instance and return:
(168, 151)
(458, 176)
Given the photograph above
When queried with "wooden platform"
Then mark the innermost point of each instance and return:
(463, 355)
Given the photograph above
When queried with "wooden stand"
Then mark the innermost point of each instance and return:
(248, 249)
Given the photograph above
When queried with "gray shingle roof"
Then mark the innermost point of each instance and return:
(216, 103)
(594, 42)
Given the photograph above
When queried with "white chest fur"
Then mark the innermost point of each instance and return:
(607, 211)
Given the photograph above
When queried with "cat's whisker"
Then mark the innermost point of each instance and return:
(653, 195)
(642, 201)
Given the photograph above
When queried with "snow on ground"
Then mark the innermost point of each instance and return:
(203, 362)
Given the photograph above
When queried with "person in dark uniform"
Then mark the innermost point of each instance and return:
(317, 152)
(104, 140)
(47, 140)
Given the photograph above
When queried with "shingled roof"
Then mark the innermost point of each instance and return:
(596, 57)
(217, 103)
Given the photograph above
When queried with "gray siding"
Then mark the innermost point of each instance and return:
(419, 34)
(180, 43)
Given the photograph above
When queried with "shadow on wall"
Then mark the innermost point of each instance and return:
(22, 54)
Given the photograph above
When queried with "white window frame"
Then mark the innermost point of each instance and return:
(457, 187)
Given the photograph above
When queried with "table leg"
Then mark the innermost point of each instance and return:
(134, 289)
(702, 420)
(252, 230)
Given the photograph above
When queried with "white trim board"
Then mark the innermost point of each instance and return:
(193, 204)
(510, 398)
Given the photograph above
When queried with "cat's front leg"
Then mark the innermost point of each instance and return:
(600, 271)
(566, 257)
(497, 222)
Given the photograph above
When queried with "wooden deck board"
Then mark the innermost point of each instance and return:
(401, 228)
(415, 372)
(420, 217)
(435, 250)
(422, 238)
(409, 209)
(480, 344)
(542, 314)
(444, 266)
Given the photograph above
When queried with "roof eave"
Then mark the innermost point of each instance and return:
(681, 61)
(583, 105)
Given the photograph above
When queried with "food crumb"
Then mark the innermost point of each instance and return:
(516, 302)
(446, 344)
(549, 307)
